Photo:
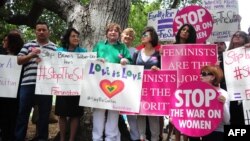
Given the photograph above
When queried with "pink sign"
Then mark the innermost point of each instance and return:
(195, 109)
(188, 60)
(157, 87)
(197, 16)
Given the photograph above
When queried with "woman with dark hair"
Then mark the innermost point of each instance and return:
(12, 44)
(186, 35)
(239, 39)
(150, 59)
(67, 107)
(2, 47)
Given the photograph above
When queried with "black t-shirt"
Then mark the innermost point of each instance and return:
(2, 51)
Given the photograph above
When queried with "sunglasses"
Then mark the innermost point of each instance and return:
(206, 73)
(145, 35)
(238, 35)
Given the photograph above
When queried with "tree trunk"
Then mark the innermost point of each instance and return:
(90, 20)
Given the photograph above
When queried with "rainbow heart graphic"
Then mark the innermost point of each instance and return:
(111, 88)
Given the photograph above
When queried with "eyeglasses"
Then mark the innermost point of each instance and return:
(238, 35)
(206, 73)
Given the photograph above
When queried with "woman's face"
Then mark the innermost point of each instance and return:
(146, 38)
(221, 46)
(207, 77)
(238, 40)
(127, 38)
(184, 34)
(5, 42)
(113, 35)
(74, 39)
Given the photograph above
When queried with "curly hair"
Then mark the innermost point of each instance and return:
(113, 25)
(216, 71)
(129, 31)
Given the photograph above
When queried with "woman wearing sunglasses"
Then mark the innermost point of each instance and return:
(149, 57)
(213, 75)
(239, 39)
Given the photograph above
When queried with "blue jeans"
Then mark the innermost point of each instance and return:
(27, 100)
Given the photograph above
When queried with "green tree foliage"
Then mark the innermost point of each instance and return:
(140, 9)
(5, 28)
(19, 7)
(138, 16)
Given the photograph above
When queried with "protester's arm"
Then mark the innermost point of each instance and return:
(22, 59)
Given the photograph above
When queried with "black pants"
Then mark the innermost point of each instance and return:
(214, 136)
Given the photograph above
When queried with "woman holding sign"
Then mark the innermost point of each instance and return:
(112, 51)
(150, 59)
(185, 35)
(213, 75)
(12, 43)
(68, 106)
(239, 39)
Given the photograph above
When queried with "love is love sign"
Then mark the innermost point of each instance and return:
(112, 86)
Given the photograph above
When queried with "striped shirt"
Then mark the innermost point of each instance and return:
(30, 68)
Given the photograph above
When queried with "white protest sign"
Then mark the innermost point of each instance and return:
(10, 73)
(61, 73)
(237, 67)
(162, 21)
(112, 86)
(246, 109)
(225, 14)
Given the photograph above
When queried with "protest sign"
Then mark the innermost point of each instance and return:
(162, 21)
(61, 73)
(226, 18)
(112, 86)
(195, 109)
(9, 76)
(157, 88)
(236, 66)
(197, 16)
(187, 59)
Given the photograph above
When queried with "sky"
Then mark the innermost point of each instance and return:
(244, 6)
